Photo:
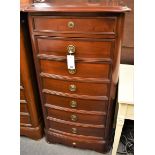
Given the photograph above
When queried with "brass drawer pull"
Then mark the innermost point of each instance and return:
(73, 104)
(72, 87)
(74, 130)
(71, 49)
(71, 24)
(72, 71)
(74, 118)
(74, 144)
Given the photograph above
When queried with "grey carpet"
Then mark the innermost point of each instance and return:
(41, 147)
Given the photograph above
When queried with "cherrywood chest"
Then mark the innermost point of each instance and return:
(30, 113)
(78, 104)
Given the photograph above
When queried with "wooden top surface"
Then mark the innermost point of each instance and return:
(125, 87)
(77, 6)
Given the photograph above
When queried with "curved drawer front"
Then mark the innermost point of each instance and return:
(101, 89)
(75, 103)
(76, 141)
(76, 117)
(76, 129)
(25, 119)
(23, 107)
(75, 25)
(84, 70)
(22, 95)
(83, 48)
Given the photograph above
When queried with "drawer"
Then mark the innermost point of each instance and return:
(77, 141)
(83, 48)
(84, 70)
(23, 107)
(81, 88)
(22, 95)
(77, 129)
(75, 103)
(76, 117)
(25, 119)
(93, 25)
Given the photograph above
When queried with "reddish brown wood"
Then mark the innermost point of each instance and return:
(90, 48)
(106, 25)
(78, 6)
(89, 105)
(83, 70)
(80, 130)
(64, 86)
(30, 118)
(97, 37)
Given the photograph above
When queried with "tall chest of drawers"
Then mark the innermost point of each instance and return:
(31, 124)
(78, 103)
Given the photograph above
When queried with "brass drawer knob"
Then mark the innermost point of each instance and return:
(74, 144)
(74, 118)
(73, 104)
(72, 71)
(74, 130)
(71, 24)
(72, 87)
(71, 49)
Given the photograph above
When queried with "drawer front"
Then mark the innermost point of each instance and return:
(75, 25)
(24, 119)
(76, 141)
(83, 48)
(77, 130)
(22, 95)
(76, 117)
(84, 70)
(81, 88)
(23, 107)
(75, 103)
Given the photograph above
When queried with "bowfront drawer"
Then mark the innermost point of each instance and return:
(76, 129)
(84, 70)
(23, 107)
(76, 117)
(77, 141)
(84, 48)
(75, 103)
(80, 88)
(22, 95)
(25, 119)
(94, 25)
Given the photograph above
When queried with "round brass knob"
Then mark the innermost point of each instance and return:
(71, 49)
(74, 144)
(71, 24)
(74, 118)
(73, 104)
(72, 71)
(74, 130)
(72, 87)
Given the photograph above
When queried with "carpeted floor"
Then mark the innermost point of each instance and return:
(41, 147)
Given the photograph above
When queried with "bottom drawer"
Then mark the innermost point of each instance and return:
(76, 141)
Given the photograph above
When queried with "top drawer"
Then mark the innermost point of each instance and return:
(91, 25)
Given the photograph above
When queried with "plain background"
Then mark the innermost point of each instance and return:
(144, 77)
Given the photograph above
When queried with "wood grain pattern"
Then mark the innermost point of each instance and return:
(116, 6)
(82, 104)
(64, 86)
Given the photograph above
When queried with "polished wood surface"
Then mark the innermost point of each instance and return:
(30, 116)
(97, 36)
(127, 55)
(78, 6)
